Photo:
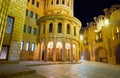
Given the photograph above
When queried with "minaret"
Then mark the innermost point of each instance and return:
(59, 32)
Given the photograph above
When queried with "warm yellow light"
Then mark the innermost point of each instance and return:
(81, 37)
(106, 22)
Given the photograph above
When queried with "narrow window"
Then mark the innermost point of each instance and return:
(21, 46)
(29, 29)
(34, 31)
(68, 28)
(57, 2)
(26, 12)
(24, 29)
(28, 0)
(74, 31)
(50, 27)
(33, 2)
(31, 14)
(52, 2)
(33, 47)
(27, 46)
(63, 2)
(59, 27)
(44, 29)
(36, 16)
(10, 22)
(37, 4)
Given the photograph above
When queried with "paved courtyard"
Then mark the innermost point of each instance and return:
(83, 70)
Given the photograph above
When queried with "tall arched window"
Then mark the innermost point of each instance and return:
(74, 31)
(31, 14)
(50, 27)
(59, 27)
(68, 28)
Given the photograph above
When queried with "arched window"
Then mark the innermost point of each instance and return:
(63, 2)
(68, 28)
(33, 2)
(50, 27)
(57, 1)
(36, 16)
(74, 31)
(59, 27)
(26, 12)
(31, 14)
(44, 29)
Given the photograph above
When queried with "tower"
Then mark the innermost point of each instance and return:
(58, 36)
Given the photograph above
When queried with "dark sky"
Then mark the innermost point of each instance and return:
(86, 10)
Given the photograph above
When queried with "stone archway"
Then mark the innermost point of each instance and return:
(50, 51)
(86, 55)
(101, 55)
(59, 48)
(117, 54)
(67, 51)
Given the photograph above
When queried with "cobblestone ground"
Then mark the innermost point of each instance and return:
(83, 70)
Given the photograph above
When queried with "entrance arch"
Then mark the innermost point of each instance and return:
(50, 51)
(86, 55)
(59, 47)
(67, 51)
(101, 55)
(42, 51)
(117, 54)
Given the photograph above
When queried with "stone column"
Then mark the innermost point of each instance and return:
(45, 53)
(71, 54)
(63, 50)
(54, 49)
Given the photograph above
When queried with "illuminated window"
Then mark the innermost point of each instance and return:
(21, 46)
(74, 31)
(68, 28)
(34, 31)
(36, 16)
(31, 14)
(50, 27)
(24, 29)
(27, 46)
(29, 29)
(26, 12)
(10, 22)
(37, 4)
(33, 47)
(59, 27)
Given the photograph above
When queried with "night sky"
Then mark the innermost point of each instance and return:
(86, 10)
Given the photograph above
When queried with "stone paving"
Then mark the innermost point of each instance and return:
(83, 70)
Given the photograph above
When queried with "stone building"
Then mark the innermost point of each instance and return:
(34, 11)
(13, 30)
(58, 38)
(101, 38)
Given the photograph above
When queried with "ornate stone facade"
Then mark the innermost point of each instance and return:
(102, 37)
(58, 38)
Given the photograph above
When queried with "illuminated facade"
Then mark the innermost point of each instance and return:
(34, 11)
(101, 38)
(14, 26)
(58, 38)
